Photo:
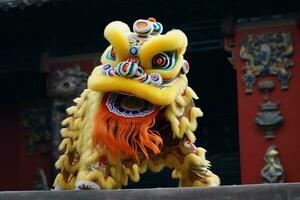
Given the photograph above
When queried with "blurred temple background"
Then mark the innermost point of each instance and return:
(245, 68)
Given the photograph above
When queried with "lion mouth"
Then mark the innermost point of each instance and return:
(128, 106)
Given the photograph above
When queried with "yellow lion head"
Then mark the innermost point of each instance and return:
(143, 63)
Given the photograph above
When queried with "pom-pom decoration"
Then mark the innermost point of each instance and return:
(133, 50)
(127, 69)
(143, 27)
(111, 54)
(185, 67)
(157, 28)
(108, 70)
(139, 72)
(156, 79)
(144, 78)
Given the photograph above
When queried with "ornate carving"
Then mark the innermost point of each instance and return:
(273, 171)
(36, 122)
(67, 84)
(63, 86)
(266, 54)
(269, 118)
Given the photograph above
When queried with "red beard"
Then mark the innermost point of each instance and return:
(129, 136)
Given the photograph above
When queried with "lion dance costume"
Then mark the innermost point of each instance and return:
(137, 114)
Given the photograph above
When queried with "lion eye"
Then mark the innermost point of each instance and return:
(111, 55)
(163, 60)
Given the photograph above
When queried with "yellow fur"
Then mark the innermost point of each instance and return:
(59, 181)
(181, 125)
(119, 173)
(116, 33)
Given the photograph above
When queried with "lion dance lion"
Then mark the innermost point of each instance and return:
(136, 114)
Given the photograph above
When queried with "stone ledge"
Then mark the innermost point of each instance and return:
(287, 191)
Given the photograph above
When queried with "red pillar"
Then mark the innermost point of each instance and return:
(253, 145)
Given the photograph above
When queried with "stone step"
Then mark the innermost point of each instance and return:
(287, 191)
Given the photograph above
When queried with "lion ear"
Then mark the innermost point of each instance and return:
(116, 33)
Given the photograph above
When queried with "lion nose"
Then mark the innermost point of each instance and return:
(127, 69)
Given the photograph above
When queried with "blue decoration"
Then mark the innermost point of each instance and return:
(133, 50)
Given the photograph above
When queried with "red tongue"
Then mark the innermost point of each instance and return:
(126, 135)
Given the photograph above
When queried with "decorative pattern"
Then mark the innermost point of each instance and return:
(273, 171)
(267, 54)
(128, 106)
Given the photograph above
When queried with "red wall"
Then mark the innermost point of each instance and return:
(253, 146)
(17, 168)
(8, 147)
